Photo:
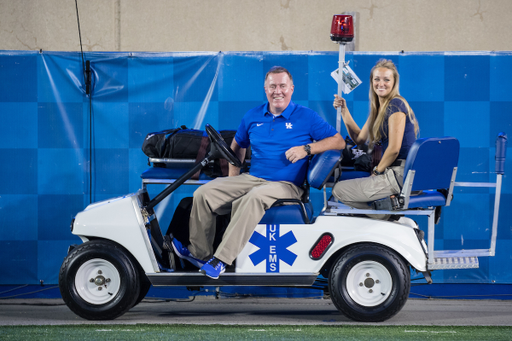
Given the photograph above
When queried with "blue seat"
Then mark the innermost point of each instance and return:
(321, 168)
(352, 174)
(431, 167)
(168, 173)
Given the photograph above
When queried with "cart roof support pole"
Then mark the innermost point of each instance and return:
(341, 64)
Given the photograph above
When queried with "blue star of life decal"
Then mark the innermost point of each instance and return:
(273, 248)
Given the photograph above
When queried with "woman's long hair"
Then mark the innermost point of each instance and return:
(378, 112)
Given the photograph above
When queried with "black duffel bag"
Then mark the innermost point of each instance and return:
(183, 143)
(186, 143)
(195, 144)
(155, 144)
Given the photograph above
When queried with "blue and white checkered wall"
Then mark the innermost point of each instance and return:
(46, 125)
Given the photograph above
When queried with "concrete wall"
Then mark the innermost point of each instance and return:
(253, 25)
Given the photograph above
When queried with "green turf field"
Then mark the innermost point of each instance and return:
(238, 332)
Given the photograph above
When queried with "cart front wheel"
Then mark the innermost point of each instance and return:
(98, 280)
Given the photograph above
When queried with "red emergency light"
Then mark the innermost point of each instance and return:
(342, 28)
(321, 246)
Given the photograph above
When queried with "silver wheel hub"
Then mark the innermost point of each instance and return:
(369, 283)
(97, 281)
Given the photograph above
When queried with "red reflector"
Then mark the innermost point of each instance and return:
(342, 28)
(321, 246)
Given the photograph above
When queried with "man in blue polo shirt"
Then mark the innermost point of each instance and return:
(281, 134)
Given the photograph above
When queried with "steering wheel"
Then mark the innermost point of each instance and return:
(220, 148)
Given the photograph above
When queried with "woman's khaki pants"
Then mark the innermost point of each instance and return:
(358, 192)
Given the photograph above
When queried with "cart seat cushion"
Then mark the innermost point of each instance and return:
(286, 214)
(352, 174)
(158, 173)
(174, 173)
(427, 199)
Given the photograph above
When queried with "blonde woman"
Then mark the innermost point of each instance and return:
(391, 123)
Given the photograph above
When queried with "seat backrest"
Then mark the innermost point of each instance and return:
(322, 166)
(433, 160)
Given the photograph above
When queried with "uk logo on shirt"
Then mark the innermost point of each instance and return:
(288, 125)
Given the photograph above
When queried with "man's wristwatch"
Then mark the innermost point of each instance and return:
(376, 172)
(307, 148)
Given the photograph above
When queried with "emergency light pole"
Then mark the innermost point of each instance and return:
(342, 32)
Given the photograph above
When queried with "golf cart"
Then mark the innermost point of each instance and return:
(364, 264)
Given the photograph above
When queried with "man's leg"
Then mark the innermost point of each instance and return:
(211, 199)
(246, 214)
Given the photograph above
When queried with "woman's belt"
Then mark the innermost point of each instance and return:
(398, 163)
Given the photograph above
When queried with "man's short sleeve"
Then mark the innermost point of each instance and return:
(242, 135)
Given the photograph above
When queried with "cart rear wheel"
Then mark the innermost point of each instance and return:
(98, 280)
(369, 283)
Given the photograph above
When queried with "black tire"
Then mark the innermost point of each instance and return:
(98, 280)
(369, 283)
(145, 285)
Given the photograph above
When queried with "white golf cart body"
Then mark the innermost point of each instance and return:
(121, 220)
(362, 258)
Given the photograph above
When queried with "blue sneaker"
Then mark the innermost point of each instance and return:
(182, 252)
(213, 268)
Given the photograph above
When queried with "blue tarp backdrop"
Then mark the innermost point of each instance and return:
(61, 149)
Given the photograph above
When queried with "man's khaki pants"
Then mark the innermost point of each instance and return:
(247, 197)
